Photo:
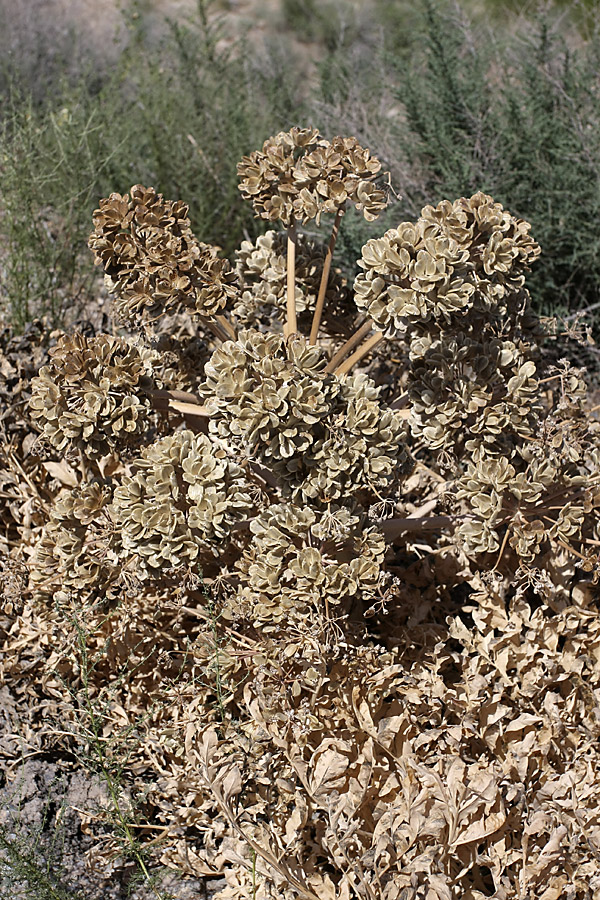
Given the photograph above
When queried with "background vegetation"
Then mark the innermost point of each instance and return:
(450, 103)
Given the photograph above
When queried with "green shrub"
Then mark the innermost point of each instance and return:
(517, 118)
(178, 116)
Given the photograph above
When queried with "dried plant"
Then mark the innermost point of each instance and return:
(153, 262)
(299, 176)
(385, 610)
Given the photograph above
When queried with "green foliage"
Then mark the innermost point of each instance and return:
(30, 864)
(520, 121)
(178, 116)
(312, 20)
(449, 108)
(52, 163)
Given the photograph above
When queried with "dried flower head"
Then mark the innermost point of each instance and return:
(292, 571)
(153, 262)
(452, 285)
(182, 501)
(541, 498)
(261, 270)
(324, 437)
(468, 254)
(78, 549)
(91, 396)
(298, 175)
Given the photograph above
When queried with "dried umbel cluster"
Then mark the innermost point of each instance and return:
(184, 498)
(298, 175)
(91, 395)
(79, 542)
(452, 285)
(468, 255)
(153, 262)
(262, 272)
(304, 566)
(324, 437)
(366, 597)
(543, 495)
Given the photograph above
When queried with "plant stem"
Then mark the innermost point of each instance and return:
(217, 329)
(181, 402)
(253, 853)
(352, 341)
(400, 402)
(325, 277)
(571, 549)
(227, 327)
(217, 661)
(358, 354)
(161, 399)
(291, 326)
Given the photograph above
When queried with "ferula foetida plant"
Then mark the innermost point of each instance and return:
(307, 469)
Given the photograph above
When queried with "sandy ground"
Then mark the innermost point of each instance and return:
(46, 806)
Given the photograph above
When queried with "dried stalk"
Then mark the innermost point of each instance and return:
(187, 405)
(291, 326)
(571, 549)
(400, 402)
(227, 327)
(325, 277)
(349, 345)
(190, 409)
(217, 329)
(358, 354)
(158, 397)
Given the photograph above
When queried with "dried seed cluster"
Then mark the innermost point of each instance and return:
(79, 544)
(324, 437)
(296, 568)
(152, 260)
(91, 395)
(184, 498)
(261, 270)
(298, 175)
(453, 285)
(543, 495)
(468, 254)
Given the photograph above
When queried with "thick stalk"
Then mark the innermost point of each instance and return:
(187, 405)
(350, 344)
(400, 402)
(227, 327)
(325, 278)
(217, 329)
(291, 326)
(158, 396)
(358, 354)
